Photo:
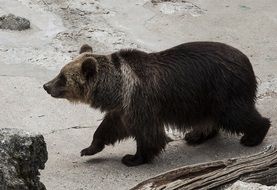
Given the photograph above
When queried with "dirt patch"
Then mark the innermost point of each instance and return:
(179, 7)
(268, 89)
(162, 1)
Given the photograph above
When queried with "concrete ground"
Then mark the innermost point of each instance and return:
(59, 28)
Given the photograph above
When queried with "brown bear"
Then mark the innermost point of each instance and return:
(199, 86)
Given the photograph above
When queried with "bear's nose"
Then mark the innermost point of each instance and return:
(46, 88)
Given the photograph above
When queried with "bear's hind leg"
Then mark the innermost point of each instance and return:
(256, 130)
(201, 133)
(246, 120)
(111, 129)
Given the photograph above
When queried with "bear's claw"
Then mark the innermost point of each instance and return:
(91, 150)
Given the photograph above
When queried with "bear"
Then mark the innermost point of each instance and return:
(198, 88)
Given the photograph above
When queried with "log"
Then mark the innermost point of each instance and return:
(258, 168)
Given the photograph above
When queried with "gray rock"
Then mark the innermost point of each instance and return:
(239, 185)
(21, 156)
(13, 22)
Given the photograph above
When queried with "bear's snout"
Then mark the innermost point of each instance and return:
(47, 88)
(53, 88)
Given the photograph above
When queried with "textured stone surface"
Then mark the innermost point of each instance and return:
(13, 22)
(239, 185)
(21, 156)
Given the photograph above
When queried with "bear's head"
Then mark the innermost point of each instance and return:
(76, 78)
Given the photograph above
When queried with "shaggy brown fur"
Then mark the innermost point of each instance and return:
(203, 86)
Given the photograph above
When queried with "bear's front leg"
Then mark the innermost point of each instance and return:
(150, 138)
(111, 129)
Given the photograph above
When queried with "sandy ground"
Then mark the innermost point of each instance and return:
(59, 28)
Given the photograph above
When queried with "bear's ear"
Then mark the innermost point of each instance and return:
(88, 68)
(86, 48)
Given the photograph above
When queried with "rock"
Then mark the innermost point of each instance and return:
(13, 22)
(21, 156)
(239, 185)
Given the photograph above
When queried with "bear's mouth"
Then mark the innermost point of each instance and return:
(56, 95)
